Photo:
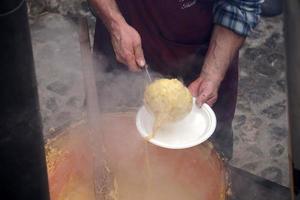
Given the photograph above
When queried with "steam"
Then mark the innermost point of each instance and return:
(119, 90)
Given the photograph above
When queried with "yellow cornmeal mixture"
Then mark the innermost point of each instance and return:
(52, 155)
(169, 101)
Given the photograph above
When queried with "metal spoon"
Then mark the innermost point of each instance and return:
(147, 72)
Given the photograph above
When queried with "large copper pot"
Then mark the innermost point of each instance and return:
(124, 167)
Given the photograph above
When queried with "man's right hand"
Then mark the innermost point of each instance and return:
(127, 45)
(126, 40)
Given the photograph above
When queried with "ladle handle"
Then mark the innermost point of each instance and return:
(147, 72)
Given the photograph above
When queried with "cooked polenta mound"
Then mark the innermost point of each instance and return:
(168, 100)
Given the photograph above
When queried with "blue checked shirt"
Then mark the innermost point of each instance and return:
(240, 16)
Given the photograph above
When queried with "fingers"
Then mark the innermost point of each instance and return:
(131, 62)
(202, 98)
(127, 47)
(212, 101)
(139, 54)
(134, 59)
(207, 96)
(194, 87)
(204, 90)
(128, 58)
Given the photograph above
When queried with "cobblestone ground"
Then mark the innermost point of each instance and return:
(58, 68)
(260, 125)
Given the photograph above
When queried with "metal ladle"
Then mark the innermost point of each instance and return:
(147, 72)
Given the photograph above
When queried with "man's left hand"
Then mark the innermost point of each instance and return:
(223, 47)
(205, 89)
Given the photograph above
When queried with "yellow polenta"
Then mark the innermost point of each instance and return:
(169, 101)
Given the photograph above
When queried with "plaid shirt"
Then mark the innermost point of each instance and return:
(240, 16)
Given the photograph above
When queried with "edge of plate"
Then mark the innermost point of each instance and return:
(213, 121)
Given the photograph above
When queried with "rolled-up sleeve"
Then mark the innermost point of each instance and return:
(240, 16)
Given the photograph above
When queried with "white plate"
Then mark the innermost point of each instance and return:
(194, 129)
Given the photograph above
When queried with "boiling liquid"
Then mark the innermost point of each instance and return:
(137, 170)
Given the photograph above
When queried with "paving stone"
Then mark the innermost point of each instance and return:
(75, 102)
(85, 6)
(250, 136)
(254, 53)
(280, 85)
(265, 68)
(256, 34)
(243, 104)
(58, 87)
(63, 116)
(272, 41)
(255, 150)
(272, 173)
(259, 95)
(278, 133)
(239, 120)
(236, 140)
(35, 7)
(277, 150)
(276, 110)
(256, 89)
(277, 60)
(250, 166)
(51, 104)
(52, 4)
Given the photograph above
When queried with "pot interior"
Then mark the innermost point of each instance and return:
(115, 163)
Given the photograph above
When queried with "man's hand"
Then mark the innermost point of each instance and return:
(126, 40)
(223, 47)
(127, 45)
(205, 89)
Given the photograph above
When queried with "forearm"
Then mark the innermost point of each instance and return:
(223, 47)
(109, 13)
(234, 20)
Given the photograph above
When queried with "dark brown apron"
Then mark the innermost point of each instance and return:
(175, 36)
